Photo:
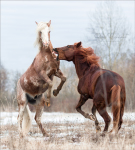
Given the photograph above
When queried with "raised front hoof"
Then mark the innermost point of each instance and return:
(47, 104)
(91, 117)
(98, 129)
(55, 92)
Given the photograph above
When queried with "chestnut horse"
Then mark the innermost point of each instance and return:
(37, 79)
(105, 87)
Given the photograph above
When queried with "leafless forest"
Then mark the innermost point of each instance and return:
(68, 97)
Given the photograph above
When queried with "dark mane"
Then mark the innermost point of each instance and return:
(88, 55)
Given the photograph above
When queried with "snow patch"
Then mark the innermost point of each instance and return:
(11, 118)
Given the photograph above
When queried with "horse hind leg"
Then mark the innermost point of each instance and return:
(106, 117)
(39, 112)
(98, 129)
(21, 99)
(20, 117)
(101, 108)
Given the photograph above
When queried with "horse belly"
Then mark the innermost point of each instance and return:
(33, 85)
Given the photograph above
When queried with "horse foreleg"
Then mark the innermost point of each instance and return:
(98, 129)
(82, 100)
(39, 112)
(47, 101)
(44, 76)
(60, 75)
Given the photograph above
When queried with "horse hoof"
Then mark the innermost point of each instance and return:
(98, 129)
(103, 134)
(55, 93)
(21, 135)
(92, 117)
(47, 104)
(45, 134)
(113, 133)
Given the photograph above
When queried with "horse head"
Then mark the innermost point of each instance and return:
(67, 52)
(43, 34)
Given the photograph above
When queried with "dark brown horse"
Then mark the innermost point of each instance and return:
(105, 87)
(33, 84)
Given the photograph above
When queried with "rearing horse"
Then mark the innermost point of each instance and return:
(105, 87)
(37, 79)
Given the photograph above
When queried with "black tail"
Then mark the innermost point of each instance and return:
(30, 99)
(33, 100)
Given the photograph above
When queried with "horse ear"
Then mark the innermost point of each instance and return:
(78, 44)
(49, 23)
(36, 23)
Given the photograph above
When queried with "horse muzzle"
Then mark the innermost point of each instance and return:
(45, 44)
(56, 52)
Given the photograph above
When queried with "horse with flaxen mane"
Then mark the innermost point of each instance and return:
(105, 87)
(37, 79)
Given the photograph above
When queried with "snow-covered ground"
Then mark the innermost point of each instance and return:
(66, 130)
(11, 117)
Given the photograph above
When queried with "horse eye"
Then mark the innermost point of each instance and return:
(68, 46)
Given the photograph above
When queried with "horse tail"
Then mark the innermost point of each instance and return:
(27, 121)
(122, 104)
(30, 99)
(116, 102)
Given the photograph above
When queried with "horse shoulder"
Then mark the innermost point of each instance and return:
(40, 63)
(83, 85)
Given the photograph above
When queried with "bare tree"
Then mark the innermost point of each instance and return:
(108, 32)
(3, 85)
(3, 79)
(15, 75)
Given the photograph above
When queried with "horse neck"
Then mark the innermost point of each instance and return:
(82, 68)
(48, 49)
(45, 51)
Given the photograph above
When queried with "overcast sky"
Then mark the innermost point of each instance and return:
(69, 22)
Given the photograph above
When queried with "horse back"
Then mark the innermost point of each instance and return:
(97, 80)
(109, 79)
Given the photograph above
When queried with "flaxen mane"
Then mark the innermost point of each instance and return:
(88, 55)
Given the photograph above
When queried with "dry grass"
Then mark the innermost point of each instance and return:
(68, 136)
